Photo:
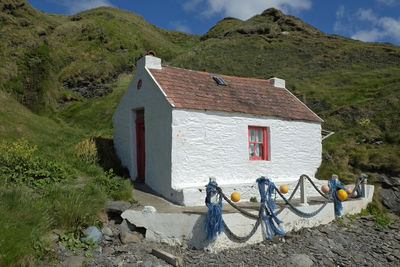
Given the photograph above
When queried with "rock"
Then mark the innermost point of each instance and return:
(300, 260)
(117, 207)
(388, 182)
(326, 245)
(107, 231)
(126, 226)
(127, 237)
(108, 251)
(171, 259)
(73, 261)
(390, 258)
(390, 199)
(108, 238)
(390, 193)
(61, 247)
(147, 264)
(91, 233)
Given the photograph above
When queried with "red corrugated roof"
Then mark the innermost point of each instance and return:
(198, 90)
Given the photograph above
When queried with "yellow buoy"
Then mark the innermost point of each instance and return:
(342, 195)
(284, 189)
(235, 196)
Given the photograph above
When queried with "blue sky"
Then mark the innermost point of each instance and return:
(366, 20)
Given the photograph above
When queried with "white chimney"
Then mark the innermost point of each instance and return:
(150, 62)
(277, 82)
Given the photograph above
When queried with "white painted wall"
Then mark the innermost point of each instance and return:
(206, 143)
(186, 147)
(158, 118)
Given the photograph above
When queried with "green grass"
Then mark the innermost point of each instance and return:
(31, 215)
(67, 204)
(27, 219)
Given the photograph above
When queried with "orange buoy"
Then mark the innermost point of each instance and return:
(235, 196)
(284, 189)
(325, 189)
(342, 195)
(349, 190)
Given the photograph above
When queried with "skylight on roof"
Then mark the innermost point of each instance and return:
(219, 80)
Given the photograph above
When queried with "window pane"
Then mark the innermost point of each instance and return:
(258, 151)
(251, 150)
(259, 136)
(252, 135)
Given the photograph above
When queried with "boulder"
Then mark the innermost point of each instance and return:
(127, 237)
(107, 231)
(390, 193)
(126, 226)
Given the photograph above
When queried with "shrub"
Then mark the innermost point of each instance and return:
(381, 220)
(87, 151)
(20, 164)
(74, 208)
(115, 187)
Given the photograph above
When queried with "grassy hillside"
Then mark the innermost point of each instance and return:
(51, 58)
(54, 174)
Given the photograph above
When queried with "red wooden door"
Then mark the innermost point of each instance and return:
(141, 155)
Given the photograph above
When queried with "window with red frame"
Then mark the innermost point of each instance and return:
(258, 143)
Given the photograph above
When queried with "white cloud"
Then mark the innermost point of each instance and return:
(180, 26)
(371, 35)
(245, 9)
(74, 6)
(340, 13)
(380, 27)
(366, 15)
(366, 25)
(191, 5)
(388, 2)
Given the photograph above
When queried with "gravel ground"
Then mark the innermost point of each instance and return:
(355, 242)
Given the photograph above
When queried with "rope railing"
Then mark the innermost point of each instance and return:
(313, 184)
(300, 212)
(266, 213)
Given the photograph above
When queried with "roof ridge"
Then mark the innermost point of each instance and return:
(210, 73)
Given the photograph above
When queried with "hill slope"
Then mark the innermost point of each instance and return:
(354, 86)
(46, 54)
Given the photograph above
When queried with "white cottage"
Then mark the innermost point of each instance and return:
(174, 128)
